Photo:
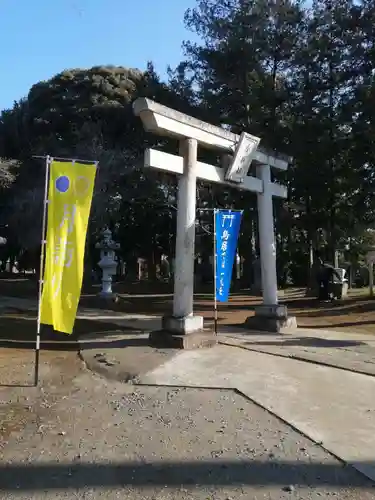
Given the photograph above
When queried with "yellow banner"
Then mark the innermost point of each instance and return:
(71, 186)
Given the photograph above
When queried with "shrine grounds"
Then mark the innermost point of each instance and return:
(356, 313)
(86, 436)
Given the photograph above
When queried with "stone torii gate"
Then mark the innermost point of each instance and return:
(183, 329)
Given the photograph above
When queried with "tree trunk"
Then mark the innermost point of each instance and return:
(151, 267)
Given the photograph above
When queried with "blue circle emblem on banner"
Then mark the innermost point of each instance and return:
(62, 184)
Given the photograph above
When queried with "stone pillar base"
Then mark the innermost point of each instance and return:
(182, 333)
(182, 326)
(272, 319)
(163, 339)
(107, 297)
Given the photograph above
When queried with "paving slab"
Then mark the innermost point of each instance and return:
(331, 406)
(349, 351)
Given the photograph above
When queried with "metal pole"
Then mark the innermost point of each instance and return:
(215, 257)
(59, 158)
(42, 251)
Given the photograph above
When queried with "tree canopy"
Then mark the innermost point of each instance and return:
(299, 76)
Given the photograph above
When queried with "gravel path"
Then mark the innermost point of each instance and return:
(79, 436)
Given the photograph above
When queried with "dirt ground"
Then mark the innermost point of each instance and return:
(21, 326)
(354, 314)
(84, 437)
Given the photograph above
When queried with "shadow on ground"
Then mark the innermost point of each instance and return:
(344, 324)
(19, 330)
(134, 305)
(19, 285)
(17, 477)
(303, 307)
(309, 342)
(116, 343)
(349, 306)
(352, 313)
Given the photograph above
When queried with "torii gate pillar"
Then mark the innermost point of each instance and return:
(183, 321)
(267, 245)
(270, 316)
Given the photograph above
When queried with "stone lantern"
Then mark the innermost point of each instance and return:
(108, 262)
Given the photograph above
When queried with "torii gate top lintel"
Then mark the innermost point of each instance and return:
(165, 121)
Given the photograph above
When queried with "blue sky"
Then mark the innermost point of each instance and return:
(39, 38)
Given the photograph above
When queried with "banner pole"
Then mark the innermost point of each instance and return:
(215, 257)
(42, 251)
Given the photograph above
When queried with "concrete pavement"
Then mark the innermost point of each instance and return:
(348, 351)
(330, 406)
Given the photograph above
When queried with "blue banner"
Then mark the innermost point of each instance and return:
(227, 224)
